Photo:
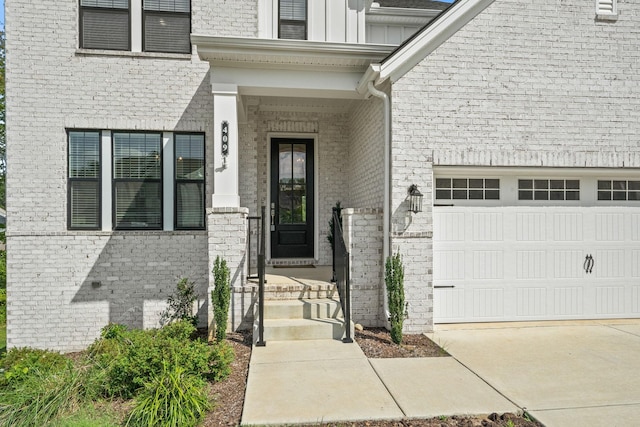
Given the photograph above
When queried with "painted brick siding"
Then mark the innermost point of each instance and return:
(235, 18)
(366, 155)
(53, 302)
(529, 84)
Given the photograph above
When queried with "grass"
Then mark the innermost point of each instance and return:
(90, 416)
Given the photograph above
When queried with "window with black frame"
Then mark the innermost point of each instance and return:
(292, 22)
(137, 180)
(167, 25)
(190, 182)
(83, 190)
(105, 24)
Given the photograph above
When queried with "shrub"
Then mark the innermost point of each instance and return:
(124, 360)
(172, 398)
(180, 304)
(3, 306)
(220, 297)
(394, 280)
(21, 363)
(41, 397)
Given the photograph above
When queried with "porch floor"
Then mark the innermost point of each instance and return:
(318, 275)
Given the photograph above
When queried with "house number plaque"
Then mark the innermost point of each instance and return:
(225, 138)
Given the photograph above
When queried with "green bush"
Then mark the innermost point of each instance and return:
(124, 360)
(173, 398)
(20, 364)
(180, 304)
(41, 397)
(3, 306)
(394, 280)
(220, 297)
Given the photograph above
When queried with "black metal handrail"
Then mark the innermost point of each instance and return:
(341, 263)
(261, 267)
(253, 222)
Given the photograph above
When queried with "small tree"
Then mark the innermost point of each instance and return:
(394, 280)
(220, 297)
(180, 304)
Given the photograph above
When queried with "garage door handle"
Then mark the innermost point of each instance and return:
(589, 262)
(444, 287)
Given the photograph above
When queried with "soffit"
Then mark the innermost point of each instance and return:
(287, 54)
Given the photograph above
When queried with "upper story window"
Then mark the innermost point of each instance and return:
(292, 20)
(165, 25)
(104, 24)
(548, 189)
(83, 185)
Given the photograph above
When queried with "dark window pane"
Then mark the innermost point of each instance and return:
(459, 194)
(604, 195)
(556, 184)
(634, 185)
(137, 155)
(475, 194)
(168, 5)
(293, 19)
(541, 184)
(525, 195)
(556, 195)
(443, 194)
(476, 183)
(443, 182)
(525, 184)
(105, 29)
(190, 205)
(459, 183)
(84, 154)
(109, 4)
(573, 195)
(492, 194)
(167, 32)
(619, 185)
(604, 185)
(573, 184)
(619, 195)
(492, 183)
(138, 204)
(84, 204)
(634, 195)
(541, 195)
(189, 150)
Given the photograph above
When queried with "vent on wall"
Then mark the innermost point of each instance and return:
(607, 9)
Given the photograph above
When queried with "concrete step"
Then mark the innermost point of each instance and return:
(318, 290)
(302, 309)
(303, 329)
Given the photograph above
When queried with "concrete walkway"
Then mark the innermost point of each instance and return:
(293, 382)
(582, 373)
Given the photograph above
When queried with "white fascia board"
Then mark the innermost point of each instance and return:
(398, 15)
(371, 75)
(310, 53)
(429, 39)
(293, 83)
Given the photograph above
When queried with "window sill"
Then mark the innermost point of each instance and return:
(128, 54)
(609, 18)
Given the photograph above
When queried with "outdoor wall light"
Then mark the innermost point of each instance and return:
(415, 199)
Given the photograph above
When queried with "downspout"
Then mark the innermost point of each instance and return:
(387, 196)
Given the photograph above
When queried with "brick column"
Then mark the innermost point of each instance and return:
(362, 230)
(227, 238)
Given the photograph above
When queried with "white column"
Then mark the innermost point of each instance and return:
(136, 25)
(167, 180)
(106, 176)
(226, 173)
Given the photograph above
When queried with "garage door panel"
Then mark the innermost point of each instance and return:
(610, 300)
(568, 301)
(488, 303)
(531, 302)
(487, 227)
(450, 228)
(567, 227)
(635, 227)
(610, 227)
(635, 263)
(447, 265)
(531, 264)
(568, 264)
(609, 263)
(635, 298)
(488, 265)
(531, 227)
(451, 304)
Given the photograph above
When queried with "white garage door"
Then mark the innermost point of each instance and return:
(542, 260)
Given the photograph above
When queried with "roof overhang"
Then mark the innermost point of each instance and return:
(305, 55)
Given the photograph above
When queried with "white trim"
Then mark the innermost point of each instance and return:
(316, 198)
(105, 176)
(168, 180)
(136, 25)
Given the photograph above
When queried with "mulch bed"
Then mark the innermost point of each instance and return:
(376, 343)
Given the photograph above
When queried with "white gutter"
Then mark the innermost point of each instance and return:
(387, 196)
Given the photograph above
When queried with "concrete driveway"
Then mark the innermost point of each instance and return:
(581, 373)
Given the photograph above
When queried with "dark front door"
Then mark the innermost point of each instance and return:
(291, 198)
